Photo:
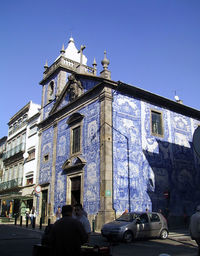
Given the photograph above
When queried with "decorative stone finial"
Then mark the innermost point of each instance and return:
(105, 73)
(105, 62)
(95, 67)
(46, 65)
(62, 51)
(94, 63)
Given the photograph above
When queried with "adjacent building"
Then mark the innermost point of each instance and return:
(112, 146)
(2, 151)
(20, 162)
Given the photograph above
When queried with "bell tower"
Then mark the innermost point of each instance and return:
(70, 60)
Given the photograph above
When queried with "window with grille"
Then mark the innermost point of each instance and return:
(29, 178)
(156, 123)
(46, 157)
(76, 136)
(75, 122)
(31, 155)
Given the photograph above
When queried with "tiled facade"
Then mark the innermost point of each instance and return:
(156, 164)
(121, 163)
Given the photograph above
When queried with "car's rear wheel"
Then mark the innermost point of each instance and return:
(164, 234)
(128, 237)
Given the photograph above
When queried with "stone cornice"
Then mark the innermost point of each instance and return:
(20, 113)
(157, 100)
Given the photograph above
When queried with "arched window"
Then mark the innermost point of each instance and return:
(50, 92)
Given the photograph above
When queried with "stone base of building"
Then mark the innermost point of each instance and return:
(102, 218)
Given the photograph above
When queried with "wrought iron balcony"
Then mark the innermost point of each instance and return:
(11, 184)
(13, 151)
(16, 128)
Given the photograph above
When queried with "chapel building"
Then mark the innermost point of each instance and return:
(112, 146)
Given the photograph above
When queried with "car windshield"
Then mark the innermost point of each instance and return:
(127, 217)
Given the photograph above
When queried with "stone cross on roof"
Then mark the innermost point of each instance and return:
(81, 54)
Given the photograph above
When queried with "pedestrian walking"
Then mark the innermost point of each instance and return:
(4, 209)
(32, 214)
(79, 214)
(58, 213)
(194, 227)
(67, 234)
(10, 209)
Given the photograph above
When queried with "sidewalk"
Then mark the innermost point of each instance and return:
(179, 234)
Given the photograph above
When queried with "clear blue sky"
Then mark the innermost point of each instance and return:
(152, 44)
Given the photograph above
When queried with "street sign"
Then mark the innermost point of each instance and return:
(38, 189)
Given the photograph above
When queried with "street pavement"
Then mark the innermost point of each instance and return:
(19, 241)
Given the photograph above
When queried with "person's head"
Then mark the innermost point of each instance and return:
(67, 210)
(78, 209)
(198, 208)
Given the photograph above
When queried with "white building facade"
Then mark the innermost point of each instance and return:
(20, 158)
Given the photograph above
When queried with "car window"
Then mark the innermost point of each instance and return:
(154, 217)
(144, 218)
(125, 217)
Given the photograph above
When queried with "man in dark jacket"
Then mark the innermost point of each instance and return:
(67, 234)
(195, 227)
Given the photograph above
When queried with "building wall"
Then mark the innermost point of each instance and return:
(30, 164)
(45, 170)
(90, 152)
(156, 164)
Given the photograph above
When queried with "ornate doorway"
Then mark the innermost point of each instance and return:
(44, 206)
(75, 190)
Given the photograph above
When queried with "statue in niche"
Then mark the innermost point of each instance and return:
(75, 88)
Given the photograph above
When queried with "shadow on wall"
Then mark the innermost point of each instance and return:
(174, 184)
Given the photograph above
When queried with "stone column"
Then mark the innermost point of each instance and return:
(106, 212)
(53, 175)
